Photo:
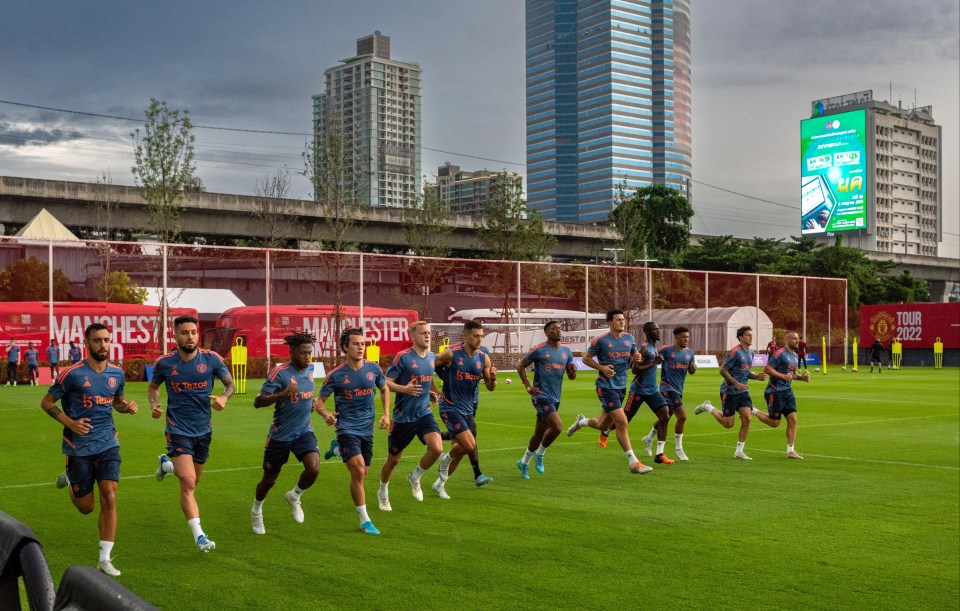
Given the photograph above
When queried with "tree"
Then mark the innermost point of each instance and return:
(427, 227)
(28, 280)
(273, 210)
(163, 156)
(510, 237)
(116, 287)
(653, 222)
(505, 232)
(328, 166)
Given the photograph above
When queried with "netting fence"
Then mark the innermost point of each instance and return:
(260, 295)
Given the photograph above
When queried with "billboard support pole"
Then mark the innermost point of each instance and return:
(361, 292)
(804, 307)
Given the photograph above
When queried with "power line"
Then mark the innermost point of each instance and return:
(759, 199)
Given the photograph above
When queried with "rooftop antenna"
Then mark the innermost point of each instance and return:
(891, 91)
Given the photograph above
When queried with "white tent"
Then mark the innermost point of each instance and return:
(45, 226)
(722, 324)
(204, 301)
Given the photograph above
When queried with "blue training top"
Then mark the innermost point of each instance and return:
(291, 414)
(53, 354)
(32, 354)
(674, 369)
(461, 380)
(608, 350)
(13, 354)
(409, 366)
(85, 393)
(189, 386)
(738, 363)
(354, 391)
(782, 361)
(646, 382)
(76, 354)
(549, 367)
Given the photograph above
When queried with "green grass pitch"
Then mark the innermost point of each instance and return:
(870, 519)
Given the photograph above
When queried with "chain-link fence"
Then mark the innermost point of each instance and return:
(258, 296)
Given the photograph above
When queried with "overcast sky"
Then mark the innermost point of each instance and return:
(757, 64)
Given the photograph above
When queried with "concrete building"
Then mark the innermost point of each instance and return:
(608, 102)
(903, 182)
(374, 103)
(466, 192)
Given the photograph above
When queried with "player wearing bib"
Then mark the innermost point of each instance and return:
(611, 355)
(781, 402)
(188, 374)
(353, 386)
(33, 363)
(465, 365)
(677, 362)
(410, 377)
(550, 362)
(89, 391)
(289, 387)
(734, 396)
(644, 388)
(53, 357)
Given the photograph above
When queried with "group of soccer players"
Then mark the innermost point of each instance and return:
(91, 389)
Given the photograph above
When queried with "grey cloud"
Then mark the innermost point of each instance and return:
(37, 136)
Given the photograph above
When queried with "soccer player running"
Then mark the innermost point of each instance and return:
(89, 392)
(289, 387)
(410, 377)
(33, 363)
(644, 387)
(465, 365)
(781, 402)
(734, 396)
(353, 386)
(678, 361)
(478, 477)
(550, 362)
(188, 374)
(611, 354)
(53, 357)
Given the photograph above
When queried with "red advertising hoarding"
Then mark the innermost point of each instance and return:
(916, 325)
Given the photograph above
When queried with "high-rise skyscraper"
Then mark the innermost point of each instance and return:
(374, 104)
(608, 102)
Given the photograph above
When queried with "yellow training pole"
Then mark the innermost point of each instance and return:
(824, 342)
(855, 359)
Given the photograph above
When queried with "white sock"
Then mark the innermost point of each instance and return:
(631, 457)
(541, 450)
(362, 511)
(194, 525)
(417, 473)
(789, 447)
(526, 457)
(660, 445)
(651, 434)
(105, 548)
(383, 488)
(336, 450)
(257, 506)
(754, 411)
(604, 432)
(712, 408)
(740, 446)
(167, 466)
(679, 438)
(297, 491)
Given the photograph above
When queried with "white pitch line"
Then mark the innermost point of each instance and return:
(801, 426)
(851, 458)
(257, 468)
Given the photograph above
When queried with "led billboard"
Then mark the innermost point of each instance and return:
(833, 173)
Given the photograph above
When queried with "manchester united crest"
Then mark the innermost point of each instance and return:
(883, 326)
